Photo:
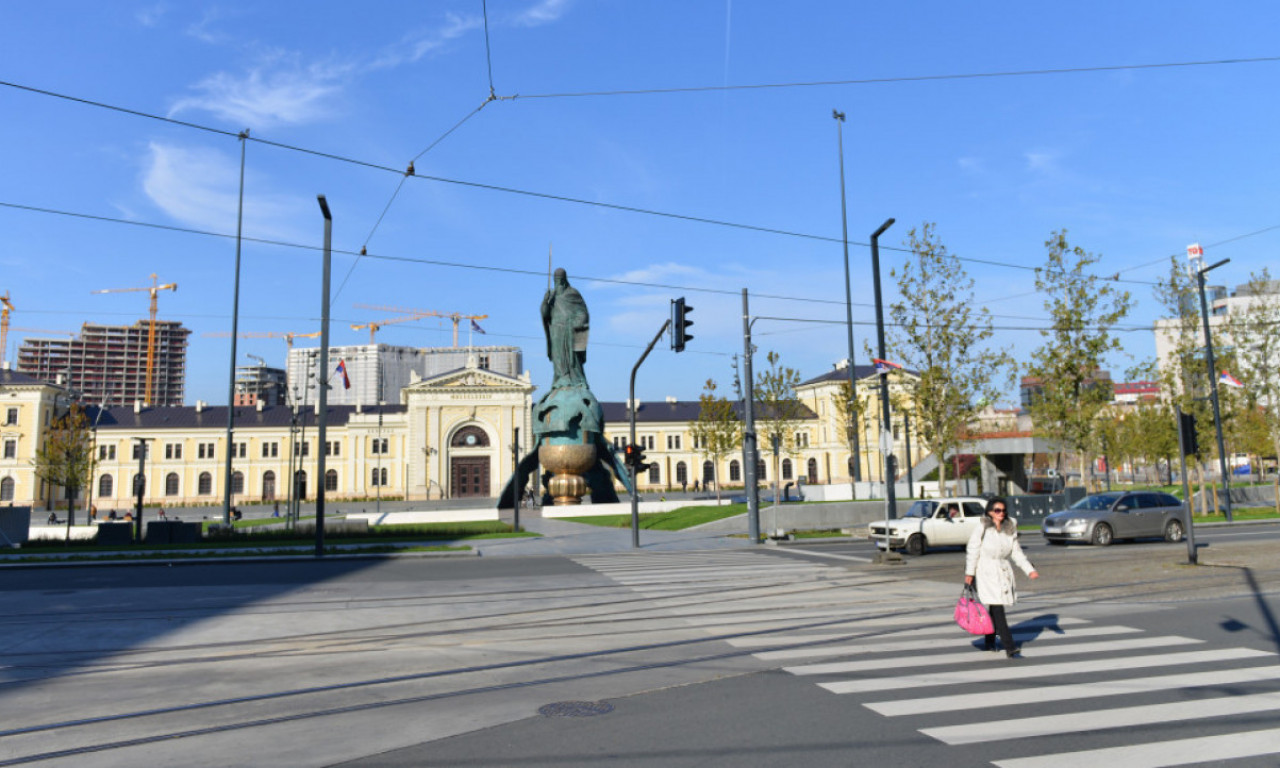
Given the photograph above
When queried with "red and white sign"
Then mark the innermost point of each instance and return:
(1194, 251)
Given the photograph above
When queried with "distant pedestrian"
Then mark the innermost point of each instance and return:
(160, 514)
(93, 512)
(275, 510)
(53, 518)
(991, 548)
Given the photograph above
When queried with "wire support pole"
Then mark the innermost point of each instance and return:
(886, 427)
(235, 332)
(749, 447)
(1213, 389)
(322, 374)
(631, 407)
(852, 405)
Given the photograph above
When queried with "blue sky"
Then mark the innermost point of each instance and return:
(1135, 164)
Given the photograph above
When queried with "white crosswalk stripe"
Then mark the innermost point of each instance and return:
(901, 642)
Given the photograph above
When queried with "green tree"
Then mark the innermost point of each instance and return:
(942, 335)
(66, 459)
(780, 410)
(1255, 333)
(1083, 312)
(717, 430)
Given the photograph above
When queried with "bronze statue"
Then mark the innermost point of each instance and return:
(568, 422)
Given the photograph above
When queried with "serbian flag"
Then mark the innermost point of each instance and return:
(342, 369)
(1229, 380)
(884, 366)
(476, 327)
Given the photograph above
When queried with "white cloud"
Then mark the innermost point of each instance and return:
(261, 98)
(542, 12)
(418, 44)
(1043, 162)
(971, 164)
(151, 14)
(200, 188)
(203, 31)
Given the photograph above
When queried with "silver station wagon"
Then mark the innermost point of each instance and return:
(930, 523)
(1104, 517)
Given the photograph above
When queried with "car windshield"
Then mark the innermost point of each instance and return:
(920, 509)
(1097, 501)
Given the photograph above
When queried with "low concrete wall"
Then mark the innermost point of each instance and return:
(15, 525)
(624, 508)
(803, 517)
(331, 527)
(424, 516)
(59, 532)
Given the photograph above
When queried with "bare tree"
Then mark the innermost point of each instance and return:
(717, 431)
(66, 459)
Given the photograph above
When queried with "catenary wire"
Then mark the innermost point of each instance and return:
(544, 195)
(902, 79)
(1165, 259)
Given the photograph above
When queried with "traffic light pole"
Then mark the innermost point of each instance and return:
(631, 407)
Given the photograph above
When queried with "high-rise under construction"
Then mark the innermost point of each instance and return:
(108, 363)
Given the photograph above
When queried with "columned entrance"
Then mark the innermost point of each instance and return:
(468, 476)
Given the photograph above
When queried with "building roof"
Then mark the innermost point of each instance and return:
(842, 374)
(246, 416)
(12, 378)
(679, 411)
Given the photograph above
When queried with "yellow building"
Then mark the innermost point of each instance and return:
(450, 436)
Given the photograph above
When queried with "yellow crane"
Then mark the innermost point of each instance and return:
(373, 327)
(417, 314)
(288, 337)
(4, 323)
(153, 289)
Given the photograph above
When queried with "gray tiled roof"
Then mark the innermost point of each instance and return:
(679, 411)
(842, 374)
(13, 378)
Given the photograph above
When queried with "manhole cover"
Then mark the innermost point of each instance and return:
(575, 709)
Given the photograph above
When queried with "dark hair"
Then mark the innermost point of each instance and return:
(994, 500)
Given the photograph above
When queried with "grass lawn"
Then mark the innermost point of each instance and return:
(676, 520)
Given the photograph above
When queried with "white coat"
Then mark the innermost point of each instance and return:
(987, 559)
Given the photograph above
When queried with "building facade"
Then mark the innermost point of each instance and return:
(108, 363)
(378, 372)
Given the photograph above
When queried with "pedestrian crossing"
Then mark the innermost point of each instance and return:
(1088, 692)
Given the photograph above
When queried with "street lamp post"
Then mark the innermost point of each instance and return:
(323, 377)
(856, 474)
(886, 427)
(235, 320)
(1213, 388)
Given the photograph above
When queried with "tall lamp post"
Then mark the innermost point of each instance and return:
(323, 377)
(235, 320)
(856, 474)
(1213, 376)
(886, 427)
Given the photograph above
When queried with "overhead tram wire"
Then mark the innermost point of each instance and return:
(410, 171)
(539, 195)
(439, 262)
(901, 79)
(1165, 259)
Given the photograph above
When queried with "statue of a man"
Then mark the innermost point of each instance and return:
(566, 322)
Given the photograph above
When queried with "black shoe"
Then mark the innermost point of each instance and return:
(1016, 653)
(989, 645)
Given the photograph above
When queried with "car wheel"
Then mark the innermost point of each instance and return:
(1102, 535)
(1173, 531)
(916, 545)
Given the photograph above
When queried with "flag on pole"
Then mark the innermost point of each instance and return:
(342, 369)
(476, 327)
(884, 366)
(1229, 380)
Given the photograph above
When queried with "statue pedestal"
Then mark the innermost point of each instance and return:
(567, 463)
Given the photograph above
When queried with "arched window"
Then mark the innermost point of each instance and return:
(708, 472)
(268, 485)
(140, 484)
(761, 474)
(735, 472)
(331, 479)
(300, 484)
(171, 484)
(682, 473)
(813, 471)
(237, 482)
(655, 474)
(470, 437)
(6, 489)
(786, 469)
(205, 488)
(106, 486)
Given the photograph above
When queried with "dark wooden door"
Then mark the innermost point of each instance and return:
(469, 476)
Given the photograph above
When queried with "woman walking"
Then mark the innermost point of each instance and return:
(987, 558)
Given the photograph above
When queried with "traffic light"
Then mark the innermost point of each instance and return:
(634, 457)
(1187, 428)
(680, 323)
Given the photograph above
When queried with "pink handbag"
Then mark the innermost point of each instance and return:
(972, 615)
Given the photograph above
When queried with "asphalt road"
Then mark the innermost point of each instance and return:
(774, 656)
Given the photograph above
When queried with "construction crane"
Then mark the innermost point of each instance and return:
(4, 324)
(261, 363)
(288, 337)
(417, 314)
(153, 289)
(373, 327)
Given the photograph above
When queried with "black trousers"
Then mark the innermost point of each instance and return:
(1002, 628)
